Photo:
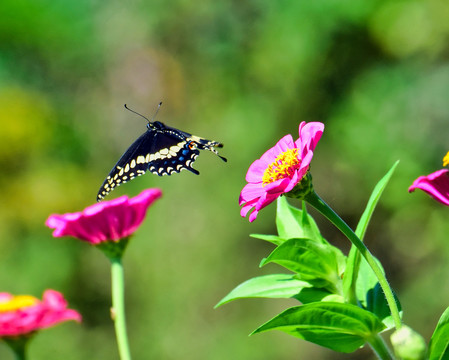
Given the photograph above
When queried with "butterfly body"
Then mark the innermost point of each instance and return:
(162, 150)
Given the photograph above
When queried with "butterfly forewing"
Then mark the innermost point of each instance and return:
(134, 162)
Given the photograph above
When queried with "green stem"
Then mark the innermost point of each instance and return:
(20, 354)
(313, 199)
(118, 307)
(18, 346)
(380, 348)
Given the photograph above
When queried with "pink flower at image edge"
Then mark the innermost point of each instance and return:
(34, 316)
(435, 184)
(279, 169)
(109, 220)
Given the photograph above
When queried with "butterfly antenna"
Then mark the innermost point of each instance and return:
(157, 110)
(135, 112)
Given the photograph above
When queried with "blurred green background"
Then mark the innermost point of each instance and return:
(244, 73)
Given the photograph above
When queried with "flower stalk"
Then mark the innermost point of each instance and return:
(18, 346)
(114, 251)
(313, 199)
(118, 307)
(380, 348)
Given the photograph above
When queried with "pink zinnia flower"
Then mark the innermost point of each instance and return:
(279, 169)
(105, 221)
(24, 314)
(435, 184)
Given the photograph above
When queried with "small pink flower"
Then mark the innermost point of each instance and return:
(109, 220)
(435, 184)
(279, 169)
(24, 314)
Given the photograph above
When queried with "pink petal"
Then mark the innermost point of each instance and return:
(247, 207)
(284, 144)
(251, 191)
(256, 171)
(309, 135)
(268, 156)
(5, 297)
(277, 186)
(266, 200)
(253, 215)
(51, 311)
(54, 299)
(435, 184)
(109, 220)
(258, 167)
(293, 182)
(304, 167)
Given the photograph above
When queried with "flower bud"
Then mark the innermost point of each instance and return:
(408, 344)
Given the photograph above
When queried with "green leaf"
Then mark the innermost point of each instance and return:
(267, 286)
(315, 263)
(337, 326)
(295, 223)
(286, 222)
(292, 223)
(313, 294)
(439, 343)
(307, 223)
(372, 202)
(274, 239)
(371, 295)
(366, 282)
(377, 304)
(354, 257)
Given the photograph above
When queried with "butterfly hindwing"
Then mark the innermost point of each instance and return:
(172, 154)
(201, 143)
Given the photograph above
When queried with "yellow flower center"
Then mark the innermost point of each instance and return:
(446, 159)
(17, 302)
(282, 167)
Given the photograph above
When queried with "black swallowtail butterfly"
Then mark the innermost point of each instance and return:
(163, 150)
